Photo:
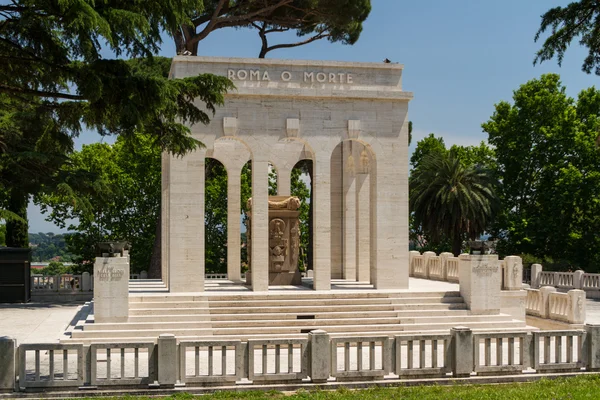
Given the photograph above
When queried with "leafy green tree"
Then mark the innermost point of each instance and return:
(46, 246)
(577, 20)
(55, 268)
(302, 191)
(426, 146)
(334, 20)
(123, 200)
(450, 200)
(50, 58)
(549, 165)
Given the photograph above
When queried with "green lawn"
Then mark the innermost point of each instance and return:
(581, 387)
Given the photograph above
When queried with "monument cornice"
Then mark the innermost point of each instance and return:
(322, 93)
(287, 62)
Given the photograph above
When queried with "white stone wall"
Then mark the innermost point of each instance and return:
(291, 117)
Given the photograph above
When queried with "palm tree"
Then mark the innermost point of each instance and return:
(450, 200)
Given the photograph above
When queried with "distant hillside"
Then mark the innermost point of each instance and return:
(48, 246)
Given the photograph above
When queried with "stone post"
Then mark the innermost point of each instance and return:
(479, 278)
(167, 360)
(592, 347)
(513, 273)
(234, 272)
(111, 289)
(462, 360)
(577, 309)
(86, 284)
(536, 269)
(411, 257)
(143, 275)
(545, 309)
(426, 256)
(8, 353)
(320, 357)
(578, 279)
(322, 221)
(259, 248)
(444, 259)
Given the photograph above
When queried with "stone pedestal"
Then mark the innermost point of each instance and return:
(111, 289)
(480, 278)
(284, 241)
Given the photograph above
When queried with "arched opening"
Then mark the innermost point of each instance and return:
(351, 215)
(215, 217)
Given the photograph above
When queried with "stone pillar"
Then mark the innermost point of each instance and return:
(480, 279)
(578, 279)
(260, 226)
(186, 223)
(111, 289)
(350, 211)
(167, 360)
(462, 338)
(444, 259)
(389, 216)
(86, 284)
(322, 222)
(513, 273)
(337, 214)
(234, 272)
(426, 257)
(164, 217)
(577, 309)
(143, 275)
(411, 256)
(284, 182)
(592, 347)
(536, 269)
(363, 231)
(320, 356)
(8, 354)
(545, 309)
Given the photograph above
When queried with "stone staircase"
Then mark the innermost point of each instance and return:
(289, 314)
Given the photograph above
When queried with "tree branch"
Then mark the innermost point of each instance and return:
(57, 95)
(288, 45)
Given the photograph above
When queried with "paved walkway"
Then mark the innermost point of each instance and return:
(37, 322)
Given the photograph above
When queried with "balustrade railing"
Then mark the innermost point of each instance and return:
(231, 362)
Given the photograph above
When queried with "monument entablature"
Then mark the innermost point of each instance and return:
(349, 119)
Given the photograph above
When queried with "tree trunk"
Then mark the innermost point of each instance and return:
(17, 234)
(155, 267)
(456, 245)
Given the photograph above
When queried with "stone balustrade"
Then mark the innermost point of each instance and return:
(548, 303)
(565, 281)
(319, 357)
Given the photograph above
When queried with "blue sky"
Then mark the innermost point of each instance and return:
(460, 58)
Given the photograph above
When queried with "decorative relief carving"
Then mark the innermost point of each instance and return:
(277, 243)
(295, 245)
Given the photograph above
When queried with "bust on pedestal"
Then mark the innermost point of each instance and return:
(284, 240)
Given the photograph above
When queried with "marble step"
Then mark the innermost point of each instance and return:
(244, 337)
(297, 309)
(365, 322)
(240, 331)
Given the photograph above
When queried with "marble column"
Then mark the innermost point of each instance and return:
(260, 225)
(389, 218)
(349, 221)
(233, 225)
(186, 223)
(363, 240)
(336, 214)
(322, 222)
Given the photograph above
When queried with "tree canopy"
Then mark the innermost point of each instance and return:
(577, 20)
(549, 165)
(311, 20)
(450, 200)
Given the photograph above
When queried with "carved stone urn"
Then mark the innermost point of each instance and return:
(284, 240)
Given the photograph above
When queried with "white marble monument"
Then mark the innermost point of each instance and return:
(350, 119)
